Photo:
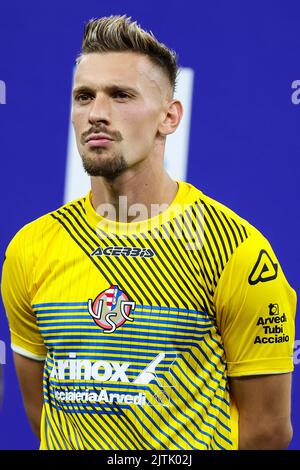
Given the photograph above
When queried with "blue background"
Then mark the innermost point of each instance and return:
(244, 140)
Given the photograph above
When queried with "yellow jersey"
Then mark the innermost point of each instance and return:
(140, 324)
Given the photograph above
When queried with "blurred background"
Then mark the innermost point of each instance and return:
(239, 141)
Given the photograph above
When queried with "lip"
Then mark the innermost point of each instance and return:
(99, 136)
(98, 140)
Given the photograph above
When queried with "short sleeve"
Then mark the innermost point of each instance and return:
(256, 308)
(25, 335)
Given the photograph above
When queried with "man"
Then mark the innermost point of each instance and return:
(157, 317)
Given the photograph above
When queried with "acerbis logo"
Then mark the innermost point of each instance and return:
(111, 308)
(264, 270)
(124, 251)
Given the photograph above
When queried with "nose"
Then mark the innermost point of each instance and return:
(100, 110)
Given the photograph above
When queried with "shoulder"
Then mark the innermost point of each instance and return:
(222, 213)
(220, 219)
(222, 230)
(41, 228)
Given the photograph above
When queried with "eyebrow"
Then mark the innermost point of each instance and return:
(108, 88)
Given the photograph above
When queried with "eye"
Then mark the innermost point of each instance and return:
(83, 97)
(121, 95)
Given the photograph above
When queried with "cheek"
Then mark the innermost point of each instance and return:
(76, 118)
(140, 124)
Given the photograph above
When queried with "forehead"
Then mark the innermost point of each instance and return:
(124, 68)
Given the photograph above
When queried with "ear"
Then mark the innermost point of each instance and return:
(171, 118)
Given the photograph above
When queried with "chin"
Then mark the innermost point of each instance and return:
(109, 167)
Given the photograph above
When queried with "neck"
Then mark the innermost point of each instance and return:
(136, 194)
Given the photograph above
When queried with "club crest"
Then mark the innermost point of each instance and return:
(111, 309)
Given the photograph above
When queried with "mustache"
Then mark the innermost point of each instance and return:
(115, 135)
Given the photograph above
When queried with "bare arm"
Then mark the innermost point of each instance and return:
(30, 375)
(264, 404)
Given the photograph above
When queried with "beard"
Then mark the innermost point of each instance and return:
(108, 166)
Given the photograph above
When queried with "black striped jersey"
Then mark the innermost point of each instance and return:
(141, 324)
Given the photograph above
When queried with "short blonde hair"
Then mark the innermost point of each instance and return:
(119, 33)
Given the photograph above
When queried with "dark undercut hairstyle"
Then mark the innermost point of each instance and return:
(119, 33)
